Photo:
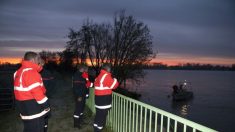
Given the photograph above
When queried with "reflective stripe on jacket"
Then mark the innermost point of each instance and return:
(29, 91)
(104, 83)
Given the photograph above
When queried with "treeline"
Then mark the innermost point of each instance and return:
(8, 66)
(190, 66)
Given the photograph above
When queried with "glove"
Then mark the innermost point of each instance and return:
(89, 84)
(85, 75)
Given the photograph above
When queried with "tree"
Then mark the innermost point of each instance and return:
(91, 41)
(132, 47)
(127, 45)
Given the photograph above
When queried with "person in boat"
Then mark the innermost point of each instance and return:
(175, 89)
(181, 88)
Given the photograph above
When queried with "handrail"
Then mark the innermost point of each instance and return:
(129, 115)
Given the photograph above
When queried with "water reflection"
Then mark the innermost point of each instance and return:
(182, 108)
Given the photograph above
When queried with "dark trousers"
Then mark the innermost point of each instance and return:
(34, 125)
(79, 108)
(100, 119)
(46, 123)
(103, 104)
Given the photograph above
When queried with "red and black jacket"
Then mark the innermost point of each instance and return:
(81, 84)
(104, 83)
(29, 91)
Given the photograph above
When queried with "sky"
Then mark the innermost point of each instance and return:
(194, 31)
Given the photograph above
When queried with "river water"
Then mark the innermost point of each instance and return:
(213, 104)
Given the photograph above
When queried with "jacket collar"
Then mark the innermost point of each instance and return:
(29, 64)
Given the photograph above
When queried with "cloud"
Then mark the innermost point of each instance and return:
(197, 28)
(18, 48)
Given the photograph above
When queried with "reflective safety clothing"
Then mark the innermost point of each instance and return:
(104, 84)
(30, 95)
(29, 91)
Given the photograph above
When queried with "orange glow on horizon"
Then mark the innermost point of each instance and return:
(212, 61)
(163, 60)
(12, 60)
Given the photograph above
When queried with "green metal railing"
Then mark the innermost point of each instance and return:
(129, 115)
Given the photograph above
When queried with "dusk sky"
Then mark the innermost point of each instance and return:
(199, 31)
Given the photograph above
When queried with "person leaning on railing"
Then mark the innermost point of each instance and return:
(104, 84)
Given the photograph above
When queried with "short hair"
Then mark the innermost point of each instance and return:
(30, 55)
(106, 66)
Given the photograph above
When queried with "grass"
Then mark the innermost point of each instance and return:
(62, 106)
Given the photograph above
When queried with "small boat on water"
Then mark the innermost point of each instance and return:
(182, 91)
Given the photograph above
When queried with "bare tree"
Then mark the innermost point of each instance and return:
(127, 45)
(132, 47)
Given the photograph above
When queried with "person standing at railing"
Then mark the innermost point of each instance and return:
(104, 84)
(80, 85)
(30, 94)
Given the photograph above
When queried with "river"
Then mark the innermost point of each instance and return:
(213, 104)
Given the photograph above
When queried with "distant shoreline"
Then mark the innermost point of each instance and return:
(187, 69)
(12, 70)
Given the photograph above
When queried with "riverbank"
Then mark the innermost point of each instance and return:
(62, 106)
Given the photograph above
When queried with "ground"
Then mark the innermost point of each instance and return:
(62, 105)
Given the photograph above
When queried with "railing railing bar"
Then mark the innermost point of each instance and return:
(168, 124)
(155, 122)
(161, 129)
(126, 116)
(115, 112)
(118, 117)
(137, 117)
(184, 128)
(133, 117)
(175, 127)
(141, 115)
(130, 117)
(121, 115)
(150, 121)
(145, 119)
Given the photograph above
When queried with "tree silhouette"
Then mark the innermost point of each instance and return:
(127, 45)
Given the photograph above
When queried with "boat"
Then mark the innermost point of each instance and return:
(182, 91)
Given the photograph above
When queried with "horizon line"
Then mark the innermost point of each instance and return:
(17, 60)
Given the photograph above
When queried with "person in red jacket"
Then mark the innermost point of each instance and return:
(29, 91)
(104, 84)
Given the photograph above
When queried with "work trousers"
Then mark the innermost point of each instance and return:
(34, 125)
(46, 123)
(103, 105)
(100, 119)
(79, 108)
